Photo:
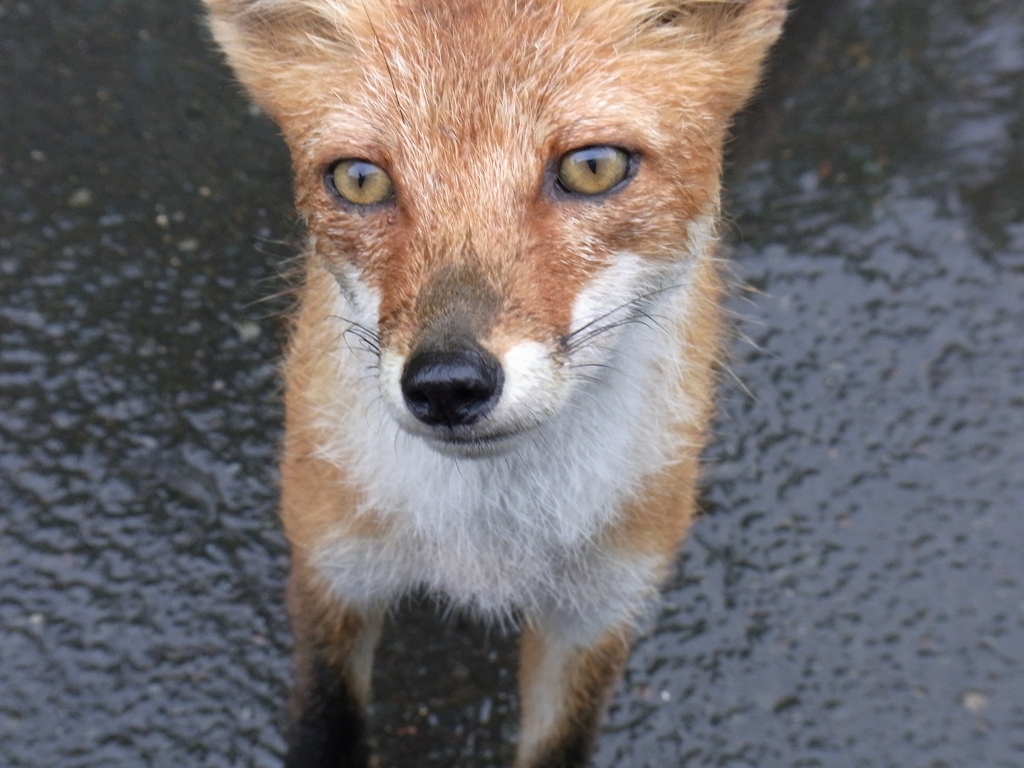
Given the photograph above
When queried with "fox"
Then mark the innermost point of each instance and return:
(501, 364)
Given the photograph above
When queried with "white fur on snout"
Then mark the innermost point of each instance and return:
(609, 289)
(612, 300)
(362, 298)
(533, 391)
(537, 385)
(390, 381)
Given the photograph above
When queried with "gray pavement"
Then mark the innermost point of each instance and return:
(854, 594)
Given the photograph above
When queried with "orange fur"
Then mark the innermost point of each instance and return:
(479, 256)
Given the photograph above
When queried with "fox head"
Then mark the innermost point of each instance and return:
(499, 186)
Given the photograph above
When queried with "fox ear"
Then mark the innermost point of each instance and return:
(735, 34)
(752, 22)
(267, 41)
(282, 21)
(724, 9)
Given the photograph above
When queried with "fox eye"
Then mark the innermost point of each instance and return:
(359, 182)
(592, 170)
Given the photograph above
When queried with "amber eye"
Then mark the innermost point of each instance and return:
(359, 181)
(592, 170)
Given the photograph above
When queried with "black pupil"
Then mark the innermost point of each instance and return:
(592, 165)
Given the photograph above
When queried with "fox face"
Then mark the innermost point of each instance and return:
(511, 208)
(494, 212)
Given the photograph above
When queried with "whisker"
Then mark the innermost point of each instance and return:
(369, 339)
(605, 366)
(593, 333)
(585, 377)
(368, 343)
(735, 377)
(624, 306)
(639, 317)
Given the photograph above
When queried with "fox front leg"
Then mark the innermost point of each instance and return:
(565, 684)
(334, 646)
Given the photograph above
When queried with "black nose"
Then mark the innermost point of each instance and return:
(452, 387)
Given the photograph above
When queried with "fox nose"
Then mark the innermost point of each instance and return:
(453, 387)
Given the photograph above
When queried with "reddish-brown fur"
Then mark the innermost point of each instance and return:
(467, 104)
(380, 70)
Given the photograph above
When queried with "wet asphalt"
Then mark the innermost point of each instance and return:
(854, 593)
